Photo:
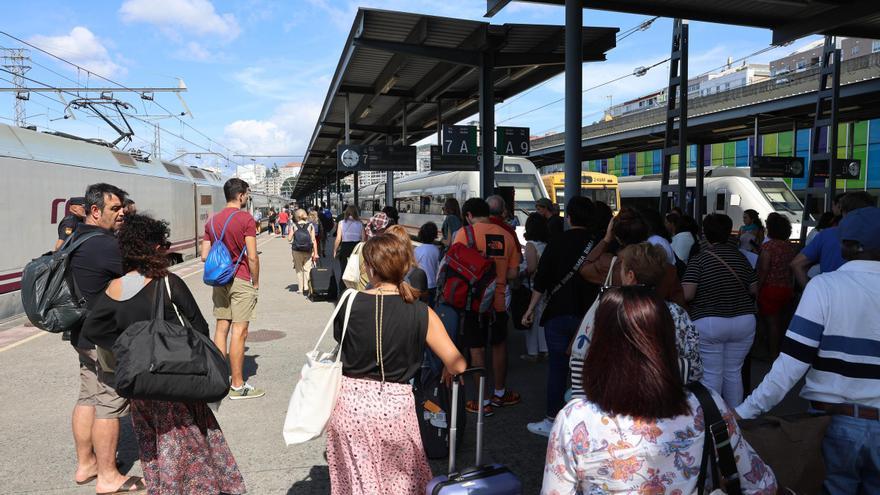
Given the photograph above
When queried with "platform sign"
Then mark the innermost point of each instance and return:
(391, 158)
(512, 141)
(441, 162)
(376, 158)
(846, 168)
(777, 166)
(459, 140)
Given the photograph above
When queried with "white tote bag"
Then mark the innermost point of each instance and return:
(315, 394)
(352, 274)
(585, 329)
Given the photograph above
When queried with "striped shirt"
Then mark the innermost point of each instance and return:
(719, 293)
(834, 338)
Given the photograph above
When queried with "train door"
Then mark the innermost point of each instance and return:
(507, 192)
(204, 209)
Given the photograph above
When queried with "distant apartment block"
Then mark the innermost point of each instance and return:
(810, 55)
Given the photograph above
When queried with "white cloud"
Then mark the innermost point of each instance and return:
(197, 52)
(177, 18)
(81, 47)
(287, 131)
(285, 79)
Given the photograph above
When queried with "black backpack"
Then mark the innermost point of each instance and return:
(302, 240)
(49, 294)
(161, 360)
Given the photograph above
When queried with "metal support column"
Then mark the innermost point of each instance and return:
(827, 100)
(487, 125)
(700, 202)
(354, 181)
(574, 67)
(677, 93)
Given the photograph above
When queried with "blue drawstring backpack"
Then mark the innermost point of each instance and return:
(219, 269)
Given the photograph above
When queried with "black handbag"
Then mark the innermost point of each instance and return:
(161, 360)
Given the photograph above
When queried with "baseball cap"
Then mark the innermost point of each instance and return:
(76, 201)
(544, 203)
(863, 226)
(377, 224)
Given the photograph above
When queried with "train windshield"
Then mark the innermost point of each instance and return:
(526, 189)
(780, 196)
(607, 196)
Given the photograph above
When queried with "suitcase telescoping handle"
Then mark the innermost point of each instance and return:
(453, 425)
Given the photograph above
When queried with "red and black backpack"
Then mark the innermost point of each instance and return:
(467, 278)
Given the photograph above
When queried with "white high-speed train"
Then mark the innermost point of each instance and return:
(43, 171)
(727, 190)
(419, 198)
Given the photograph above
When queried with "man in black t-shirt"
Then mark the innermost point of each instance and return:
(67, 226)
(568, 298)
(98, 409)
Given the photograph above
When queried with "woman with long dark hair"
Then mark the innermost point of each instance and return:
(373, 440)
(638, 430)
(182, 449)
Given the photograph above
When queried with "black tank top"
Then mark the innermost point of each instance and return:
(404, 329)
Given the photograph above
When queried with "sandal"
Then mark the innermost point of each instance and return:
(86, 481)
(133, 484)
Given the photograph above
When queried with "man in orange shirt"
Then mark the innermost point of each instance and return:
(496, 243)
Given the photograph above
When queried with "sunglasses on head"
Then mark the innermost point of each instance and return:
(643, 287)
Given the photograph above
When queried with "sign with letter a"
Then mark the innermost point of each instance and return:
(460, 140)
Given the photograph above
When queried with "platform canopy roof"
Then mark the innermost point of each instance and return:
(392, 59)
(788, 19)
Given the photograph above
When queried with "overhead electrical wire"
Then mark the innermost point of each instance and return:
(643, 26)
(129, 115)
(121, 86)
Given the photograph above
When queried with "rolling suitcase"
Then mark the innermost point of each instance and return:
(433, 400)
(485, 479)
(322, 281)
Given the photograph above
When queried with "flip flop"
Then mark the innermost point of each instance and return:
(86, 481)
(133, 484)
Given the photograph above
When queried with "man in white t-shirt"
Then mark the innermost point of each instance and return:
(834, 338)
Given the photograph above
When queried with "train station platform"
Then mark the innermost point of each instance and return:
(41, 384)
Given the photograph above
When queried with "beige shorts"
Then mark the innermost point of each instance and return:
(96, 388)
(235, 301)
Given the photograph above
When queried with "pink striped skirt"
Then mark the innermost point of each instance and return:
(373, 441)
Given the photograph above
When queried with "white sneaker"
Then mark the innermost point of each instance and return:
(543, 427)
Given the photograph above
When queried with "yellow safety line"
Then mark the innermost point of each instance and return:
(22, 341)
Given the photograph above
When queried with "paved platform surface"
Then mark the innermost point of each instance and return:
(41, 382)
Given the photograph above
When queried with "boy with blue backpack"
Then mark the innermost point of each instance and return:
(232, 267)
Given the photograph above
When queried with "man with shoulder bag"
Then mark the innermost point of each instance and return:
(567, 297)
(834, 338)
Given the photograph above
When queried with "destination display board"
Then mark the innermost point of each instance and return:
(777, 166)
(512, 141)
(845, 168)
(376, 158)
(459, 140)
(444, 163)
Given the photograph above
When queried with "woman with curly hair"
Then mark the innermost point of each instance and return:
(182, 449)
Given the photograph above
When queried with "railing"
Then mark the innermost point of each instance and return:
(782, 86)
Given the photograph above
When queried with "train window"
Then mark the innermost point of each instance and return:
(205, 199)
(173, 169)
(719, 202)
(124, 159)
(197, 174)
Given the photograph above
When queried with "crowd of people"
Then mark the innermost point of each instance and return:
(632, 313)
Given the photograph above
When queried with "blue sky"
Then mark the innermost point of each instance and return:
(257, 71)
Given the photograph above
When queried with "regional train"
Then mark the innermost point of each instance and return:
(419, 198)
(44, 170)
(727, 190)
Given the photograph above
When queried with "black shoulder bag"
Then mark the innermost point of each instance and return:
(574, 269)
(161, 360)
